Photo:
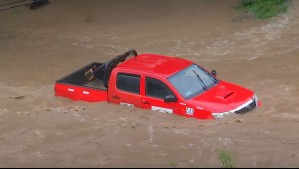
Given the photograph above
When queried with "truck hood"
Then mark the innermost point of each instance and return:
(223, 97)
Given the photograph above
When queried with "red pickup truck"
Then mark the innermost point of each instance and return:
(160, 83)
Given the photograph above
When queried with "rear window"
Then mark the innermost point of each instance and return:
(128, 83)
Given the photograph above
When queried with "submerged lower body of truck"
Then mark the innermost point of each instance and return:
(77, 85)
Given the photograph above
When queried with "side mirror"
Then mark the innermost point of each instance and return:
(170, 98)
(214, 73)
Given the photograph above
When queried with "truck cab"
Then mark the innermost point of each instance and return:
(160, 83)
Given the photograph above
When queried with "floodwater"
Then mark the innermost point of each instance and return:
(38, 47)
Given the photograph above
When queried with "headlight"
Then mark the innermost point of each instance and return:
(255, 99)
(242, 107)
(217, 115)
(221, 115)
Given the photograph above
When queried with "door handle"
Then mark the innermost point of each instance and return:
(146, 102)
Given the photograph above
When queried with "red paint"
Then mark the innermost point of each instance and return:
(80, 93)
(223, 97)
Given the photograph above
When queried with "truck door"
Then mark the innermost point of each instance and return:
(125, 89)
(154, 95)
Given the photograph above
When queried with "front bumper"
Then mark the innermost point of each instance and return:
(249, 105)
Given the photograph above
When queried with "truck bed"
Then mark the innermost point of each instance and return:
(78, 78)
(78, 85)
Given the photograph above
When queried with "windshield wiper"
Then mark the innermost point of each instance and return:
(202, 83)
(213, 78)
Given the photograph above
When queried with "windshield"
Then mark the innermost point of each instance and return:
(192, 81)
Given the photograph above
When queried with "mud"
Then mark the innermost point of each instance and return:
(40, 46)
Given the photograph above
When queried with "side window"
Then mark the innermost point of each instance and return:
(156, 88)
(128, 82)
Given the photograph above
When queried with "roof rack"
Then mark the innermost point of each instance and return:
(109, 65)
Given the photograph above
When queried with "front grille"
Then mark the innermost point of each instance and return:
(247, 108)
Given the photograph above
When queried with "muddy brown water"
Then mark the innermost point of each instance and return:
(38, 47)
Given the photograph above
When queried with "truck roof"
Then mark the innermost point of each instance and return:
(156, 64)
